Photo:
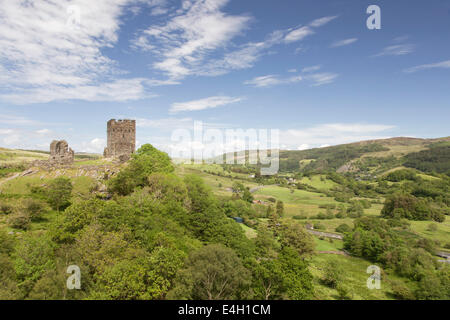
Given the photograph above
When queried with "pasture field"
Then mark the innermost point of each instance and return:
(11, 157)
(319, 182)
(354, 277)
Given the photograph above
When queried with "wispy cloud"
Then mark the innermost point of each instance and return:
(332, 134)
(300, 33)
(16, 120)
(49, 52)
(271, 80)
(311, 68)
(201, 104)
(396, 50)
(322, 21)
(438, 65)
(198, 28)
(197, 38)
(322, 78)
(341, 43)
(165, 123)
(308, 74)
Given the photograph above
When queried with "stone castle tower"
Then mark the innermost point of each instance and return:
(121, 139)
(60, 153)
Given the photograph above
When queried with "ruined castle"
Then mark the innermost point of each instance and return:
(121, 142)
(121, 139)
(60, 153)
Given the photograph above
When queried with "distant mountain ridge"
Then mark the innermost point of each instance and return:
(369, 156)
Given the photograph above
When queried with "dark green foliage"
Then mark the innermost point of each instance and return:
(144, 162)
(242, 192)
(343, 228)
(377, 241)
(6, 208)
(401, 291)
(435, 159)
(34, 208)
(211, 273)
(409, 207)
(400, 175)
(19, 220)
(332, 274)
(295, 236)
(58, 193)
(329, 158)
(280, 208)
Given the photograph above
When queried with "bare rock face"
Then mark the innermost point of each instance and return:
(60, 153)
(121, 141)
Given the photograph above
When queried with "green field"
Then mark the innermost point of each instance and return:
(354, 277)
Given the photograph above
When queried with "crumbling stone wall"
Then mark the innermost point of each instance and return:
(60, 153)
(121, 139)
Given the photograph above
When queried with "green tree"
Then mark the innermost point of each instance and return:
(332, 274)
(59, 192)
(269, 280)
(280, 208)
(297, 278)
(213, 272)
(295, 236)
(143, 163)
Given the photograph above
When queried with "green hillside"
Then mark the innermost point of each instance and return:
(313, 230)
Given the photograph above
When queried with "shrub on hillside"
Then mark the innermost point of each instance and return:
(408, 206)
(144, 162)
(6, 208)
(34, 208)
(19, 220)
(343, 228)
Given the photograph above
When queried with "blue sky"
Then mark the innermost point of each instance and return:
(311, 69)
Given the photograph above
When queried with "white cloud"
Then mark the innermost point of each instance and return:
(43, 131)
(344, 42)
(298, 34)
(303, 146)
(119, 90)
(271, 80)
(197, 29)
(310, 69)
(304, 31)
(396, 50)
(333, 134)
(96, 145)
(197, 38)
(164, 124)
(438, 65)
(52, 50)
(201, 104)
(322, 78)
(322, 21)
(292, 139)
(15, 120)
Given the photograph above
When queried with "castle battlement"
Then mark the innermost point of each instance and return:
(121, 138)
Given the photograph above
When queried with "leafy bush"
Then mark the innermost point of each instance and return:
(332, 274)
(343, 228)
(401, 291)
(319, 226)
(144, 162)
(34, 208)
(6, 208)
(407, 206)
(19, 220)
